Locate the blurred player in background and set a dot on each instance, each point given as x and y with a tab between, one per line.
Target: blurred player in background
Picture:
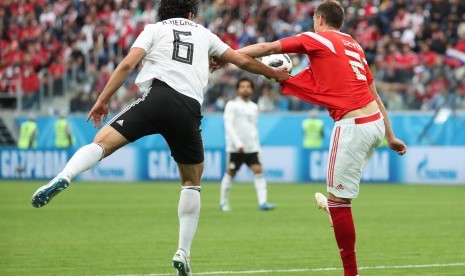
313	130
340	79
175	54
63	132
243	144
28	133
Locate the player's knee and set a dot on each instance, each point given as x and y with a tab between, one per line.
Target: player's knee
232	173
257	169
107	149
110	140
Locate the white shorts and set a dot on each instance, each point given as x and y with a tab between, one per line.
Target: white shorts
353	142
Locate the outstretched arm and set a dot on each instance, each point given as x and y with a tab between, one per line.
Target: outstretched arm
285	45
394	143
125	67
252	65
262	49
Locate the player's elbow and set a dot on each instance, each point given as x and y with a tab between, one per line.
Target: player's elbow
125	66
244	62
270	48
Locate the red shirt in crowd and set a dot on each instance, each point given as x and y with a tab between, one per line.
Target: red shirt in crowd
57	70
30	82
460	45
408	60
428	58
393	58
439	85
231	40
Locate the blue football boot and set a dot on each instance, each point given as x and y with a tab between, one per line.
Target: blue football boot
45	193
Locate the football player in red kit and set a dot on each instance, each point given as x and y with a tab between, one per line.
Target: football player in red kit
339	78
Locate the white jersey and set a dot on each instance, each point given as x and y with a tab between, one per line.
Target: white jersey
240	123
177	53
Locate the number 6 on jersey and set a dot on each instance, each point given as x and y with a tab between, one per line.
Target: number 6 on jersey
182	51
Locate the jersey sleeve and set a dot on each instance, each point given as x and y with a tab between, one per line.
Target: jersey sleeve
292	45
229	126
145	38
217	47
315	43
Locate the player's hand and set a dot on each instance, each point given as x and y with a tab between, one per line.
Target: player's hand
215	64
281	74
98	112
241	150
398	146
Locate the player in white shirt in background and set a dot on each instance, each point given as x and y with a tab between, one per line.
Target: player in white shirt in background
243	144
175	53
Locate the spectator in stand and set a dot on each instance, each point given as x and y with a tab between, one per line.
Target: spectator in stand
230	37
30	85
406	61
102	79
82	102
88	34
426	56
56	70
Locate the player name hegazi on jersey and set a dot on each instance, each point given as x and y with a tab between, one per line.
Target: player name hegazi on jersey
179	22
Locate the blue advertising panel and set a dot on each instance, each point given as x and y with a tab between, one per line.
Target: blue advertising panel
31	164
408	127
159	165
434	165
283	158
383	166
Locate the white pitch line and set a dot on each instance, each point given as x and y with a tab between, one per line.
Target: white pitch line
381	267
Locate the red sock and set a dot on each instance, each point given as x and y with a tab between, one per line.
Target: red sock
344	230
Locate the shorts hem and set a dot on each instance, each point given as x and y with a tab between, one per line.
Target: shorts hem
122	134
339	194
189	162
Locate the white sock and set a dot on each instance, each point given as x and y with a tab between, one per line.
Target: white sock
225	188
188	213
83	159
260	186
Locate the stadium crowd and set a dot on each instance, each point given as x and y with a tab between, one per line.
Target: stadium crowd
416	48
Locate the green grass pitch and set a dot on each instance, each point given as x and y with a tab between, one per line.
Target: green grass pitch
132	229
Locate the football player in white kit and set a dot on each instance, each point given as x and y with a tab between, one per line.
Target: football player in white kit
243	144
175	53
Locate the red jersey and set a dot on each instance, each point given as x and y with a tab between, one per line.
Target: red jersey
339	75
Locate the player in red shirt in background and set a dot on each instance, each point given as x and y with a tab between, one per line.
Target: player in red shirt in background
340	79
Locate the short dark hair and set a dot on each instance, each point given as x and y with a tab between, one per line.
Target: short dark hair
176	9
245	79
332	12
